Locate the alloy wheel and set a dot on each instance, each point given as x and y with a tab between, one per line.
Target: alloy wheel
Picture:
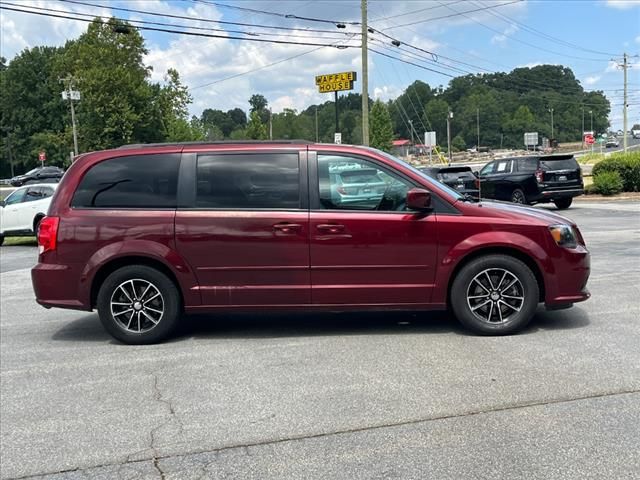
137	305
495	295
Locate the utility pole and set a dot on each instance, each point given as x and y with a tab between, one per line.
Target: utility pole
582	131
591	115
449	117
365	76
551	110
625	66
478	129
316	123
270	125
71	94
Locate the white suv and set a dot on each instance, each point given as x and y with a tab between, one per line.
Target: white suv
22	210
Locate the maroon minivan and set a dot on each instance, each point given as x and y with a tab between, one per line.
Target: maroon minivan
144	233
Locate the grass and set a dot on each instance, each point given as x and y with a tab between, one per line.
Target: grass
24	241
591	158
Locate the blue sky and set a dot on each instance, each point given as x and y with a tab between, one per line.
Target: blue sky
485	39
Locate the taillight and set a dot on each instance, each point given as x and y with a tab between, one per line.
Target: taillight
539	176
476	182
341	190
48	234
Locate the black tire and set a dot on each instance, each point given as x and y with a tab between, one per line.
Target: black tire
563	203
518	196
171	305
36	224
483	320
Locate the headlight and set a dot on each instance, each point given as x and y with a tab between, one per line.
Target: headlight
563	235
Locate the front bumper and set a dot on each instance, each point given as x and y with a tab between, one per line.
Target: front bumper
568	284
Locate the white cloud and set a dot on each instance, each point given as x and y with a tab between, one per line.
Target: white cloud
502	38
531	65
622	4
638	39
22	30
592	80
387	92
611	67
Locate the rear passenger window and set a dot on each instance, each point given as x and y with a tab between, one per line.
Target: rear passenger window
265	180
141	181
527	164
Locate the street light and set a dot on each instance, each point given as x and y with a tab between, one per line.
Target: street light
591	114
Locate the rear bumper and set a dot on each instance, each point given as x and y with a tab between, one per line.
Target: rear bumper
57	286
558	193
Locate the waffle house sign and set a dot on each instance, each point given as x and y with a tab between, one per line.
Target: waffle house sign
335	82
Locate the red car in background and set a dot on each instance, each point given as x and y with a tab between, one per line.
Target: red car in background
144	233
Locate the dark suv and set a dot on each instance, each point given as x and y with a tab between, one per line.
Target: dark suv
460	178
148	232
533	179
38	175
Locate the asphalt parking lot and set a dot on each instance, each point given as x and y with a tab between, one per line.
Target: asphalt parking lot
400	395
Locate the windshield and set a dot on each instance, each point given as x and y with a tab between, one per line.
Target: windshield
31	172
441	186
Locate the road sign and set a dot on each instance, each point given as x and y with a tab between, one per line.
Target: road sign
42	156
430	139
337	138
589	140
531	139
73	94
334	82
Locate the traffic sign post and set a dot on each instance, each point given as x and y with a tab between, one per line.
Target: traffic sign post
42	156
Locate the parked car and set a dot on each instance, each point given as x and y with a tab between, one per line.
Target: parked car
358	186
145	233
533	179
612	142
38	175
460	178
22	211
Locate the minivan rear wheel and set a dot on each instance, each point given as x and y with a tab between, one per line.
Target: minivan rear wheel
139	305
562	203
495	295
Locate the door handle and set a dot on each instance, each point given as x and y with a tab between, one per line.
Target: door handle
287	227
330	228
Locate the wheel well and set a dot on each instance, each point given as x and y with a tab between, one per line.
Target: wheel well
36	220
114	265
512	252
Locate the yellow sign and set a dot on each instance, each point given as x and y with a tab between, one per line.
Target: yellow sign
334	82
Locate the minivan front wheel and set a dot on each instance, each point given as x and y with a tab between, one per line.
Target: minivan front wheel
495	295
139	305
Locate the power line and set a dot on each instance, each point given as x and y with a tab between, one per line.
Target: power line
182	32
276	14
521	41
543	34
146	22
206	20
414	12
410	63
454	14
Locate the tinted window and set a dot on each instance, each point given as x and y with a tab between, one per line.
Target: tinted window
143	181
527	164
34	193
260	180
352	184
16	197
488	168
559	164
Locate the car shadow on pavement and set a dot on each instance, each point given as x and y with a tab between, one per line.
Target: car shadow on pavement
229	326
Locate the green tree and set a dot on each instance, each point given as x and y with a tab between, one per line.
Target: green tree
117	100
259	104
381	127
255	128
436	112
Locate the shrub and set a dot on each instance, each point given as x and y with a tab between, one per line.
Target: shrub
607	183
590	189
627	165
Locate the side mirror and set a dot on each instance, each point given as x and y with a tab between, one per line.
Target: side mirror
419	199
476	173
1	203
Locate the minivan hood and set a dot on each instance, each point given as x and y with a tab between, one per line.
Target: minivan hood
512	211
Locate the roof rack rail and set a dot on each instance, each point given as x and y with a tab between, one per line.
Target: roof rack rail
217	142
